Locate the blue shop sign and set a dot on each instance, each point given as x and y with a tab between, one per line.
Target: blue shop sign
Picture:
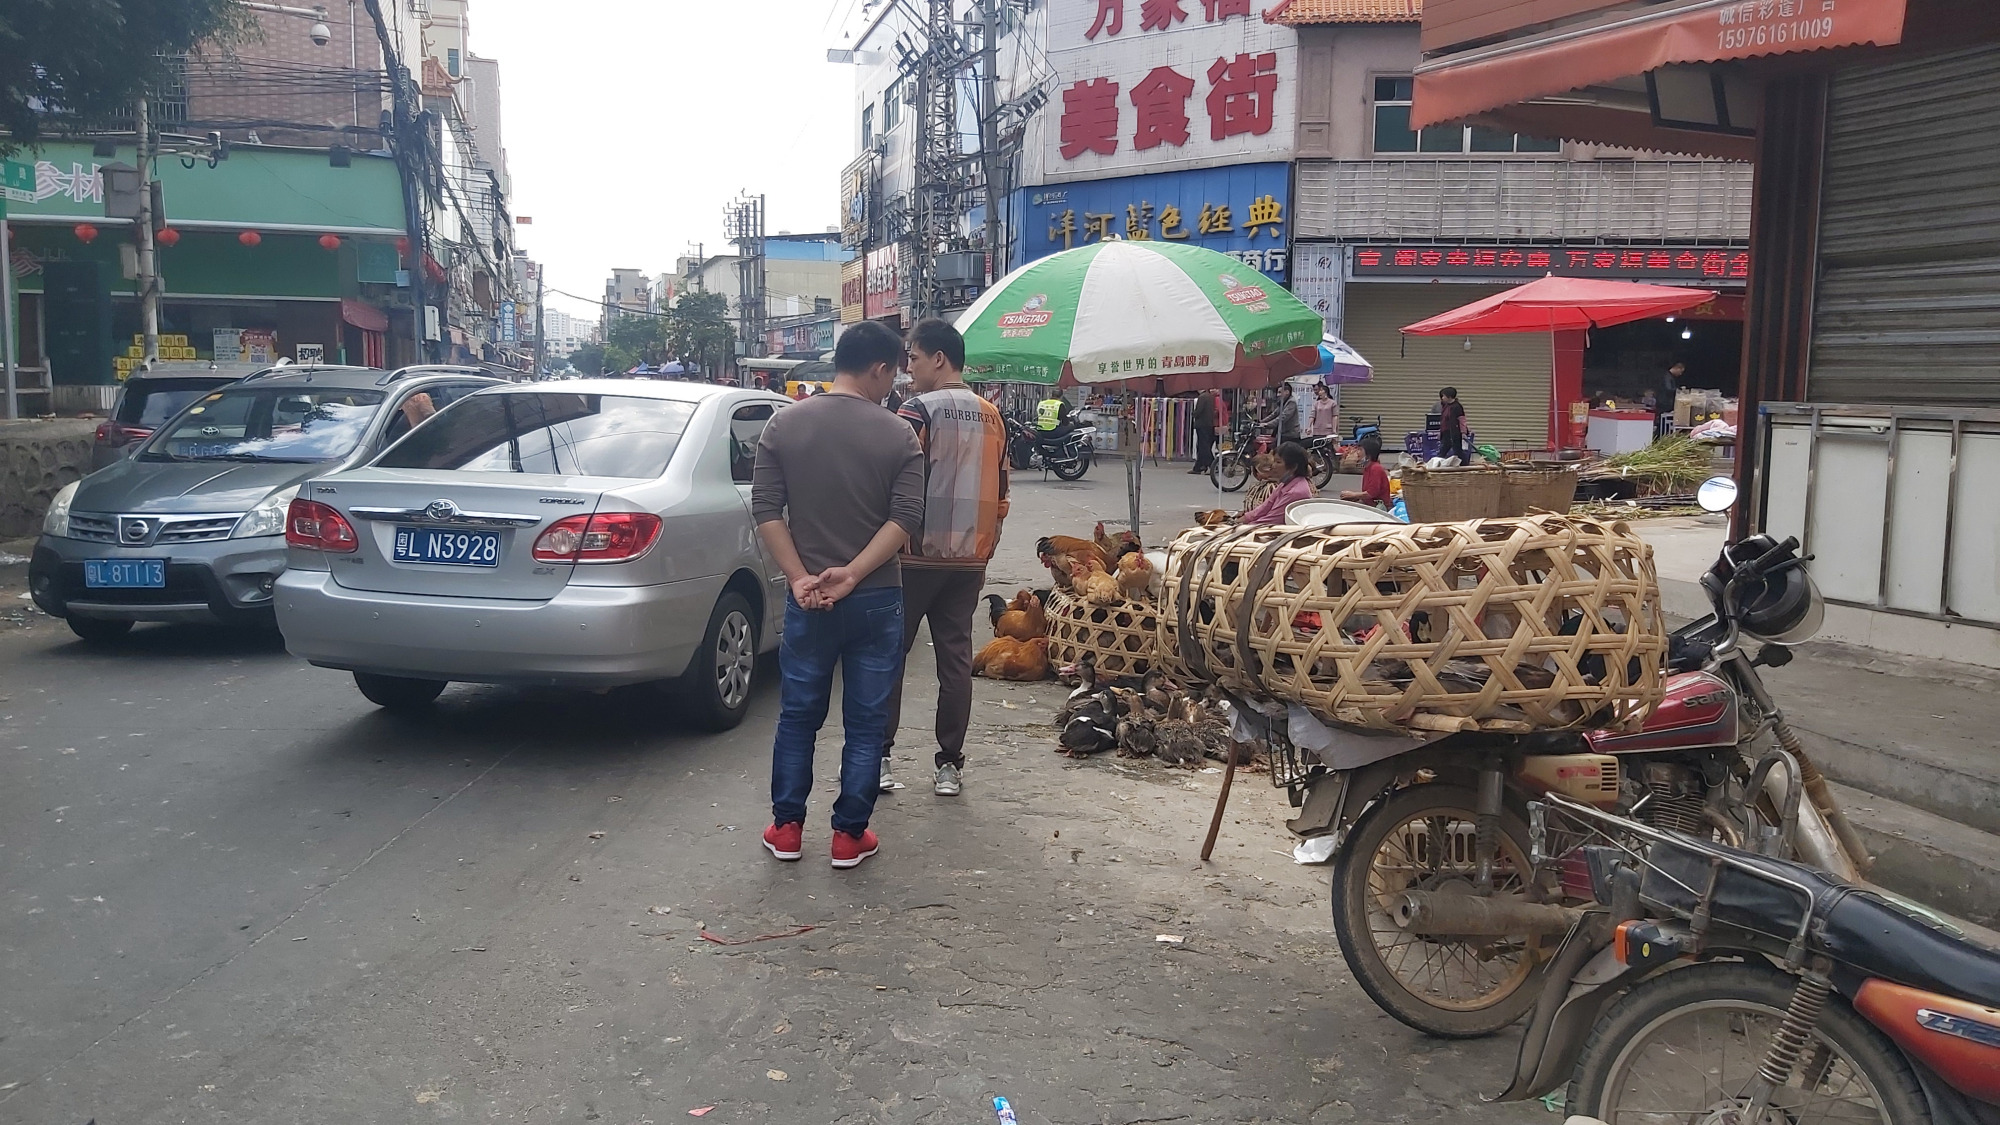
1243	211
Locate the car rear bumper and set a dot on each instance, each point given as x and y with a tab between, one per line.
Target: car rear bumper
585	636
223	580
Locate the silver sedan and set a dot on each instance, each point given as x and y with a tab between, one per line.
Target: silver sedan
590	534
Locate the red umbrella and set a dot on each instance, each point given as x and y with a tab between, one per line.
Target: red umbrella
1559	305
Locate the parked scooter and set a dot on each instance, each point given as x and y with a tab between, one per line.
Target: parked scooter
1711	985
1066	453
1444	911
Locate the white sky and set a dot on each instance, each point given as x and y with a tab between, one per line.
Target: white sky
630	123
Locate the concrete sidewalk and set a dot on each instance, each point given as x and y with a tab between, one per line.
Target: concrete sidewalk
1908	739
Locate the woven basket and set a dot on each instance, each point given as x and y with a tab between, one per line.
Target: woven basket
1125	637
1506	625
1528	489
1447	495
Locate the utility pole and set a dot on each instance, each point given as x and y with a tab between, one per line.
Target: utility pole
744	221
149	271
541	326
402	130
989	135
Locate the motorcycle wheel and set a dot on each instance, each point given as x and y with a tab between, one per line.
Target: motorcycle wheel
1321	465
1681	1046
1071	470
1231	471
1453	989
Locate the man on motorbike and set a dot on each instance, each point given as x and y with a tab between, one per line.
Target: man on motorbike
1284	417
1053	419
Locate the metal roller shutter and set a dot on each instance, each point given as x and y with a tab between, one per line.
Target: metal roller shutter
1907	310
1503	381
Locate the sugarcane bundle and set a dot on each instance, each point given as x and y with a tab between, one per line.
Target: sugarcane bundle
1509	625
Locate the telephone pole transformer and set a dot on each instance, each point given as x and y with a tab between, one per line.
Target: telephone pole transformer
743	222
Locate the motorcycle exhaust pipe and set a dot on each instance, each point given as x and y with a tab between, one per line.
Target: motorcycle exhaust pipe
1466	915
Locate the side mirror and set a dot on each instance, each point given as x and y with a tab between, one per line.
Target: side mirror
1717	494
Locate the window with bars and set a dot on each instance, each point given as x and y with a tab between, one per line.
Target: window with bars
1393	132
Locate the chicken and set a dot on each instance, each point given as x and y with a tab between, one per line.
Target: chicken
1113	547
1214	517
1006	658
1098	587
1060	552
1135	573
1021	619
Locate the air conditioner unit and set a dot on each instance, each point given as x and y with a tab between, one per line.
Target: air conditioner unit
964	267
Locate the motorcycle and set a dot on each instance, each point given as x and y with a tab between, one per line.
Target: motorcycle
1445	913
1235	463
1718	986
1066	453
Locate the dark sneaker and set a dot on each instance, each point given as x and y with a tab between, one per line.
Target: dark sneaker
946	783
849	851
785	840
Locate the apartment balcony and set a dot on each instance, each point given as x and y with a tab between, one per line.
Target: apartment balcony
1544	200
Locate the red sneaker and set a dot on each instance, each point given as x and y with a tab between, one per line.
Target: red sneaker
785	840
849	851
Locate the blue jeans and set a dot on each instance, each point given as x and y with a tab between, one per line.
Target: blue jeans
863	632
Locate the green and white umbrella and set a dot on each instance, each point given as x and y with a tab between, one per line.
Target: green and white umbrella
1139	311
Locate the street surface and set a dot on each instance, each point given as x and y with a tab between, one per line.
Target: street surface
233	891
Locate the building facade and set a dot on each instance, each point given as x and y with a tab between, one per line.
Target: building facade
1393	224
1869	390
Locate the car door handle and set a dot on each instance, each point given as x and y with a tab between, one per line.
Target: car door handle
487	520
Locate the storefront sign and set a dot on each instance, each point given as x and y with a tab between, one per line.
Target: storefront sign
823	332
853	290
883	290
856	192
1149	85
1243	212
17	183
1665	264
509	328
1319	272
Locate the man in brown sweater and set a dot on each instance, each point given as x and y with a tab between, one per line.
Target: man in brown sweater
838	490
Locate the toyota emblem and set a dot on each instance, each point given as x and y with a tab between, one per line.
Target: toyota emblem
441	510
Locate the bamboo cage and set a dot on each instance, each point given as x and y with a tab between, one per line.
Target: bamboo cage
1124	637
1507	625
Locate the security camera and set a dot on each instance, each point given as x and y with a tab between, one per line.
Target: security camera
321	34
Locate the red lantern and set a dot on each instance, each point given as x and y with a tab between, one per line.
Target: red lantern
402	247
85	233
166	236
329	242
250	238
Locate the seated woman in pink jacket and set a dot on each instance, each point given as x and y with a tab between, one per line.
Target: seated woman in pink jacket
1296	486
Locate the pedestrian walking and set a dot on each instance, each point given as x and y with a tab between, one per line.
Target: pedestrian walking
964	440
838	490
1207	420
1451	425
1325	412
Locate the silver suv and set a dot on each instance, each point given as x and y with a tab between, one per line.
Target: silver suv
191	527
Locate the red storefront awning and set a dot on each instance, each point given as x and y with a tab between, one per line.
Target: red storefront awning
1453	87
364	316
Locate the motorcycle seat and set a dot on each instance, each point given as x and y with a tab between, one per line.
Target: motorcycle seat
1853	925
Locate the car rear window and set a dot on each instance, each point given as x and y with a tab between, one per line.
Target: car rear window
151	402
554	433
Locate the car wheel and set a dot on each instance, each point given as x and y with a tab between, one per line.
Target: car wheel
398	693
98	630
717	685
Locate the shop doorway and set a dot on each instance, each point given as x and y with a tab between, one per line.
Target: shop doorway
1626	361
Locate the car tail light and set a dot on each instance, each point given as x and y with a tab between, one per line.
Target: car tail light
316	527
604	537
118	433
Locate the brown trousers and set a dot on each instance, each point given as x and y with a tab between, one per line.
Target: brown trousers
949	599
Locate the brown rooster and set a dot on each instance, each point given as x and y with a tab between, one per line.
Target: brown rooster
1005	658
1021	619
1057	552
1111	547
